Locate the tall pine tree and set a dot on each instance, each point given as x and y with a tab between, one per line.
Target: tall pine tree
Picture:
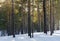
29	19
12	19
45	20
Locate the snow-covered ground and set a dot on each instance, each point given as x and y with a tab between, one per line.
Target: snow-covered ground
37	37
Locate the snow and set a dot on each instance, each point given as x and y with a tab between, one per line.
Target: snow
38	36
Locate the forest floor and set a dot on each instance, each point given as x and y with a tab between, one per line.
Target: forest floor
38	36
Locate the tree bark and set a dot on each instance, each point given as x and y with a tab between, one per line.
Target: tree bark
29	20
12	19
45	20
51	17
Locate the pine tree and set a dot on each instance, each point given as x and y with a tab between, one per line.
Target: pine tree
45	21
22	26
38	17
12	19
29	20
51	17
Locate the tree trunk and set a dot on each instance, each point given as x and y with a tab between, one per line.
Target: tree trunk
22	23
51	17
12	19
39	25
45	20
29	20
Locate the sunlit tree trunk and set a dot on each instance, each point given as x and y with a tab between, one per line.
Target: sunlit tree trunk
51	17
